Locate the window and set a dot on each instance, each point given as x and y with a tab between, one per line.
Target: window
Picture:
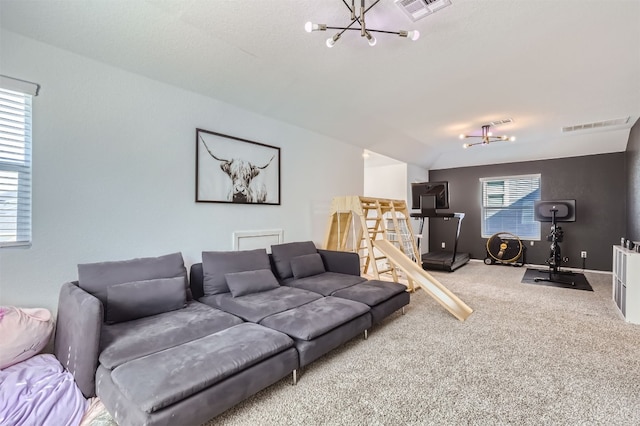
15	166
508	206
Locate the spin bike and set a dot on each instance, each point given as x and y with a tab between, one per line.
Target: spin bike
555	259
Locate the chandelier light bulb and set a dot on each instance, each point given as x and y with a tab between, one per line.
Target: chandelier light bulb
332	40
462	136
465	146
413	35
308	27
371	39
512	138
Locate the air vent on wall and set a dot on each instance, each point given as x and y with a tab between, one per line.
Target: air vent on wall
418	9
596	125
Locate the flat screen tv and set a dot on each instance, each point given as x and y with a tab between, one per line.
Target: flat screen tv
440	190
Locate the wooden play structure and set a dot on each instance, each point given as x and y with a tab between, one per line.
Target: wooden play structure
355	222
379	230
425	280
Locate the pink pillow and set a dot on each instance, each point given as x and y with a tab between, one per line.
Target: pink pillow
23	333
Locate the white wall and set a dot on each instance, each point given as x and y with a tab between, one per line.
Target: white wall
114	172
387	181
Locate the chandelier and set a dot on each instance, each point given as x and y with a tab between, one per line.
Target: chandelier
486	137
360	20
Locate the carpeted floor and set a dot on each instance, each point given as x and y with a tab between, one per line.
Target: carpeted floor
527	355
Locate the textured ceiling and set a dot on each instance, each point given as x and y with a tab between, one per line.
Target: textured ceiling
545	64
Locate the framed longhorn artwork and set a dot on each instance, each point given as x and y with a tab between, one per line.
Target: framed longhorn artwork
234	170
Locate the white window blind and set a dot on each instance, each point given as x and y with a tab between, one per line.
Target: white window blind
508	206
15	168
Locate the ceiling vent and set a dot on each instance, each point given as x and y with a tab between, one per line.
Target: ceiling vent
418	9
596	125
499	122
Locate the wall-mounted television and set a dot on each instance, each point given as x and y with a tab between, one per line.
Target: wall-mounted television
439	190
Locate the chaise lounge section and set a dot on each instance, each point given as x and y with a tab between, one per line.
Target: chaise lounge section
337	274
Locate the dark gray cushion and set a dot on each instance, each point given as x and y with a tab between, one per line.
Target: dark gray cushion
326	283
125	341
307	265
283	253
314	319
94	278
161	379
371	292
216	264
254	307
248	282
129	301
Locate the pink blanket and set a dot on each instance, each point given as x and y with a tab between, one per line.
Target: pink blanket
39	392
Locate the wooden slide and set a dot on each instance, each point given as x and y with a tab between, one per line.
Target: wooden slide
432	286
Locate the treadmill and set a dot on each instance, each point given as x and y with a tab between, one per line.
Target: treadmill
440	260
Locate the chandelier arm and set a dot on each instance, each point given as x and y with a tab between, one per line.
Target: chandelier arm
345	28
383	31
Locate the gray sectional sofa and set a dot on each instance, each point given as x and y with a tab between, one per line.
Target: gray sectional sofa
160	351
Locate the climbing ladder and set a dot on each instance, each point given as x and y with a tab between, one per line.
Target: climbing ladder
355	222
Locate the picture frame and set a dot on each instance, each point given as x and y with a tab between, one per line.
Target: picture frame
235	170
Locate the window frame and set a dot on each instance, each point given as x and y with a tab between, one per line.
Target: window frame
510	207
16	141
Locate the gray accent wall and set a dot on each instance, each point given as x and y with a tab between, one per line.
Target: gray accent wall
598	183
633	183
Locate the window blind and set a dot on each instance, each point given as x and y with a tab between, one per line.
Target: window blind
15	168
508	206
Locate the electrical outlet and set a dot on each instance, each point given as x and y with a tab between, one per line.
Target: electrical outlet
583	254
443	245
531	243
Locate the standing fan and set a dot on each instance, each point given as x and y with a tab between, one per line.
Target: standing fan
505	248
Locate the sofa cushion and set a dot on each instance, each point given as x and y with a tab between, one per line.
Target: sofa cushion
126	341
94	278
316	318
371	292
248	282
161	379
216	264
256	306
129	301
326	283
283	253
307	265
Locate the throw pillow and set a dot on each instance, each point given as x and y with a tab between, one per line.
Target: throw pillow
307	265
23	333
248	282
129	301
283	253
94	278
215	264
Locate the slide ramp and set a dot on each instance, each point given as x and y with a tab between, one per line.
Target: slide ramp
432	286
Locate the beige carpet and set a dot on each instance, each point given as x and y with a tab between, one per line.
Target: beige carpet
528	355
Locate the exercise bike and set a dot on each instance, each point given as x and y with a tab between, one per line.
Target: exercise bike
555	259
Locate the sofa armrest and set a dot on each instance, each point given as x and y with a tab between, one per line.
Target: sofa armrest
77	339
341	261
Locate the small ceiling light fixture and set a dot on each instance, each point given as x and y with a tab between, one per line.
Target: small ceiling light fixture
360	19
487	137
